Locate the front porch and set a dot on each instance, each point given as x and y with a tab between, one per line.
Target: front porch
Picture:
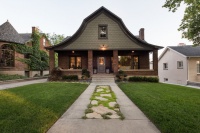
132	62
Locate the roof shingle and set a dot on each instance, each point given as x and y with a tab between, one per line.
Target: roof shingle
9	34
188	50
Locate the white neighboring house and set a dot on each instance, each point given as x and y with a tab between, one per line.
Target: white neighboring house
180	65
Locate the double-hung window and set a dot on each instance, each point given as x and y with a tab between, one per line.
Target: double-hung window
165	66
179	64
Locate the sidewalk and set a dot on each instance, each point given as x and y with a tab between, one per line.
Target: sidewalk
135	121
12	85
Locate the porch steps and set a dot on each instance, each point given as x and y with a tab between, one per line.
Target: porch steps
103	78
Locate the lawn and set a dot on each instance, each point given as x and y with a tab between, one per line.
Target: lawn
173	109
10	77
35	108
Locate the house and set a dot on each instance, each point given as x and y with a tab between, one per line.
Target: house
180	65
104	44
9	63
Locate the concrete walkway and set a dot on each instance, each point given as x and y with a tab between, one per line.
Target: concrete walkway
135	121
12	85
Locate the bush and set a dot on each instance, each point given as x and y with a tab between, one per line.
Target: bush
121	75
70	77
55	74
85	73
143	79
10	77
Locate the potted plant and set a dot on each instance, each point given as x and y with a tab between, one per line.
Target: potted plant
95	70
107	70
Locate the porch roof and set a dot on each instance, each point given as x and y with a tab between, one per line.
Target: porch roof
140	44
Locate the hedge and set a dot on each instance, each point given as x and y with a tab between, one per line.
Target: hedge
70	77
143	79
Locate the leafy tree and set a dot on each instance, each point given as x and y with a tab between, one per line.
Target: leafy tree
190	25
55	39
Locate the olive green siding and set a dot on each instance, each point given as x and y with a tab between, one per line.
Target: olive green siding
117	39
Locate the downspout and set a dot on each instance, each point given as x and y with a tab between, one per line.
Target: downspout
187	68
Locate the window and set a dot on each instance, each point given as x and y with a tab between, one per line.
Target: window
7	56
165	79
44	41
198	66
103	31
165	66
180	64
75	62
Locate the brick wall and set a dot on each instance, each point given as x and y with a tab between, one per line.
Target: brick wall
115	61
51	60
90	61
144	60
63	60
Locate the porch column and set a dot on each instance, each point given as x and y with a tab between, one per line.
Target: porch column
51	60
115	61
90	61
155	61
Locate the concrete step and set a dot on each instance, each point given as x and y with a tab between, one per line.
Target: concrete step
100	79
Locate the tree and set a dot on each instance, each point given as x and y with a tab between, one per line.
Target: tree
190	24
55	39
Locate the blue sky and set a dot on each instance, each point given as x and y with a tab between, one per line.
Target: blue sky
66	16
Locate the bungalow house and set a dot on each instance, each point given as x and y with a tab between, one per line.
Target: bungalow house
104	44
9	63
180	65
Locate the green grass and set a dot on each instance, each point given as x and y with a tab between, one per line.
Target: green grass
10	77
173	109
35	108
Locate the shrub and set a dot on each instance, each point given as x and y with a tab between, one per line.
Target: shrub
143	79
121	75
85	73
70	77
55	74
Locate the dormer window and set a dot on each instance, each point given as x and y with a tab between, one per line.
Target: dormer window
103	31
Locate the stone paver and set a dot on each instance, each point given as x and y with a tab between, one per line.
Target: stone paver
135	121
101	98
112	104
22	83
94	102
106	95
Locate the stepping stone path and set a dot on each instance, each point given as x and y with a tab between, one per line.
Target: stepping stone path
103	105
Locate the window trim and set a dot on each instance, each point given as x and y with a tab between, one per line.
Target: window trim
178	67
99	28
165	68
198	67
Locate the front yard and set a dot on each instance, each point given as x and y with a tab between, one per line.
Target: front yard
35	108
173	109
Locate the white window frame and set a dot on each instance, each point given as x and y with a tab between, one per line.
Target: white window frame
198	67
165	66
179	64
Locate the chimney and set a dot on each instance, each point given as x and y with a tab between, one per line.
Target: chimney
181	44
141	33
35	29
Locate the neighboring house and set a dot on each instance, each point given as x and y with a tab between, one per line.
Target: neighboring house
180	65
103	43
8	56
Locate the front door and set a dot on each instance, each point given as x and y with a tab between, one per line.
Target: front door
101	64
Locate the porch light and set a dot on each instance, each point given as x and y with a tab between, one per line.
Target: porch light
132	51
73	52
103	46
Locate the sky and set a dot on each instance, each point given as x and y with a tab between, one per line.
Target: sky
65	17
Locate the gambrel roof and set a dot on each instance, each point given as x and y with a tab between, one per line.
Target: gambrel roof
67	43
9	34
